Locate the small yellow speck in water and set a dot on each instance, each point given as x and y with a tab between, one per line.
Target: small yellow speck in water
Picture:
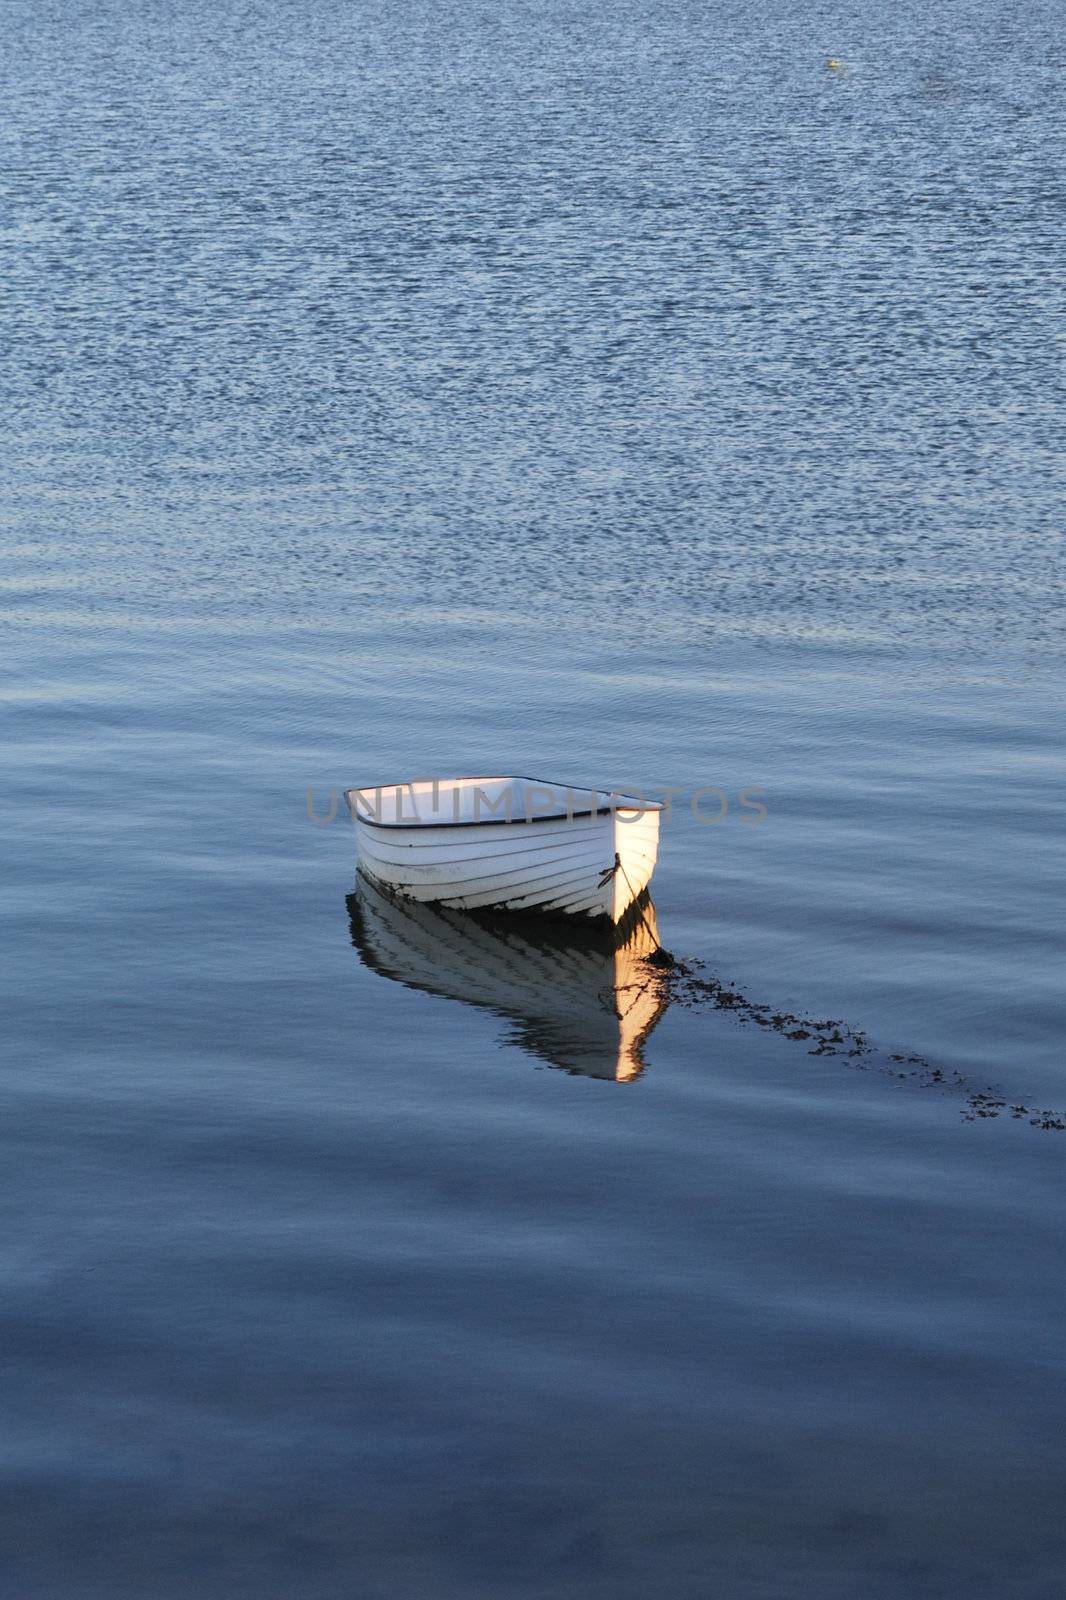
834	64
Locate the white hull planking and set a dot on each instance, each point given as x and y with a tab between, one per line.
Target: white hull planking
552	866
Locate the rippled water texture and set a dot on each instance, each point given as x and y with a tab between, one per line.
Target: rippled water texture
621	394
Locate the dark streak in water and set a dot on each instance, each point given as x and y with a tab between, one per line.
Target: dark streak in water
683	983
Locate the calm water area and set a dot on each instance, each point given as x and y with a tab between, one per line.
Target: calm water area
619	394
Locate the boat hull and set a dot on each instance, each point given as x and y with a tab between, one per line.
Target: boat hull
591	866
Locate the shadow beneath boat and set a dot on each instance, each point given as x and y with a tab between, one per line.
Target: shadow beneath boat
581	999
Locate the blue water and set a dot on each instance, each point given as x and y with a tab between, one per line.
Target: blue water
622	395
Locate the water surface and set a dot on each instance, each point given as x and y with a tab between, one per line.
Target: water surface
627	397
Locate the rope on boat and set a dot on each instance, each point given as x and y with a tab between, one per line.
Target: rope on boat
608	873
659	956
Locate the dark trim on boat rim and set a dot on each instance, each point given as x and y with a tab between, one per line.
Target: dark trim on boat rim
496	822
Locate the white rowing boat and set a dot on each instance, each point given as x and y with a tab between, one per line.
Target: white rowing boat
575	998
508	844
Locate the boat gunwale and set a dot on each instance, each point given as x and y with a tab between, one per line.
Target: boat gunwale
497	822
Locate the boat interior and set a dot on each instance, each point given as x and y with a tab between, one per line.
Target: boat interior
435	802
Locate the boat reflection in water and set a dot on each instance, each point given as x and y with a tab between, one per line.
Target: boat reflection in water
580	1000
